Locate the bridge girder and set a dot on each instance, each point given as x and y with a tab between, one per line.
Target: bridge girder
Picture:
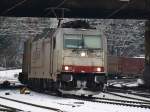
121	9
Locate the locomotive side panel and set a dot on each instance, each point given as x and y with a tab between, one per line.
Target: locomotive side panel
57	52
46	60
36	59
23	77
41	59
46	57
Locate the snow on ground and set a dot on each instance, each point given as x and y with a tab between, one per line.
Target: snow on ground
125	83
10	75
23	107
66	104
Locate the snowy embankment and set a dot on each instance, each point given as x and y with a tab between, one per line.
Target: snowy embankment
10	75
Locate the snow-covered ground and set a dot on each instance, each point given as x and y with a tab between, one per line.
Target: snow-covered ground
24	107
64	104
10	75
125	83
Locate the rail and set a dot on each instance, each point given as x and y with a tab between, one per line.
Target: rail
31	104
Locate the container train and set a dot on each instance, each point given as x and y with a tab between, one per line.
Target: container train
68	60
73	60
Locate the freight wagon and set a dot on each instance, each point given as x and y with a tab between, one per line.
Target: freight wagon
125	66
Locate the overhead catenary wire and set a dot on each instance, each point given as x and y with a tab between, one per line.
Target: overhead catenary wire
13	7
58	6
53	9
121	8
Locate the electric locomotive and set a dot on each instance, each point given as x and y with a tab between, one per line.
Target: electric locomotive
68	60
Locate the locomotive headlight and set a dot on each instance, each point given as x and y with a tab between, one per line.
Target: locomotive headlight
99	69
82	54
66	68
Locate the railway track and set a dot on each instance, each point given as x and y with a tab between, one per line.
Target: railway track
140	103
27	103
129	97
123	101
140	92
4	108
113	101
123	96
137	103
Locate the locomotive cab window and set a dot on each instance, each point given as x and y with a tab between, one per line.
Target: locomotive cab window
92	41
82	41
72	41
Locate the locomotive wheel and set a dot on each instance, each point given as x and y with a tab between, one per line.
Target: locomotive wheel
90	96
6	84
58	93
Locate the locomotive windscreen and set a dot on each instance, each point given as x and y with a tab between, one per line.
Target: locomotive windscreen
82	41
92	41
72	41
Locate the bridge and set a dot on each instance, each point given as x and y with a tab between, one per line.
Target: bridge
121	9
106	9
